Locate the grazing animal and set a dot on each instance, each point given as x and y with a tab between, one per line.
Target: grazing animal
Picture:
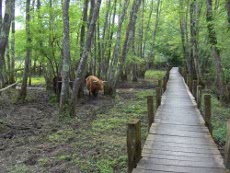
94	85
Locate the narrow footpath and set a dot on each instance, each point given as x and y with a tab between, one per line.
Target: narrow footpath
178	140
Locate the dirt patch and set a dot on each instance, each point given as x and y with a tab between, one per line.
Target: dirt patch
33	138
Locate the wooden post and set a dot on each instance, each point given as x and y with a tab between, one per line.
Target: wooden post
160	86
194	89
189	82
158	97
164	83
199	96
185	76
167	74
207	111
133	143
227	147
150	110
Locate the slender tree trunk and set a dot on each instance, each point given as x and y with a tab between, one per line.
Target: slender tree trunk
228	12
215	53
22	93
0	16
12	69
113	74
193	29
83	62
129	34
110	38
148	25
84	22
66	57
4	34
151	55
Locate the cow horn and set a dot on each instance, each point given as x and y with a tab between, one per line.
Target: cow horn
104	81
95	81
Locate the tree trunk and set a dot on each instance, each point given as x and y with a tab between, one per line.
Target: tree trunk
4	34
193	29
83	62
223	94
22	93
84	20
129	34
228	12
151	55
12	66
66	57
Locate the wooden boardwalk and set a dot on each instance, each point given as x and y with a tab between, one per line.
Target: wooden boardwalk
178	140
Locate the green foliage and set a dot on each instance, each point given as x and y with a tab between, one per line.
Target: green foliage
220	115
155	74
61	136
44	161
20	168
35	80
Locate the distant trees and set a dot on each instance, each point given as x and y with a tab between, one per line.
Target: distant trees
5	24
129	37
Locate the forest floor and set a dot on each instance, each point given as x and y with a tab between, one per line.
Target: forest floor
34	138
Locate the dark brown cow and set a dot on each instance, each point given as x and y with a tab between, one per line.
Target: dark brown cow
94	85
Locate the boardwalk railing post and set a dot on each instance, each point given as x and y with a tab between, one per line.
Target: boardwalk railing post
194	89
133	143
164	83
189	82
158	97
227	147
150	110
207	111
160	86
199	96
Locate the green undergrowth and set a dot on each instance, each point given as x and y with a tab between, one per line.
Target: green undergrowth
99	145
35	80
220	115
155	74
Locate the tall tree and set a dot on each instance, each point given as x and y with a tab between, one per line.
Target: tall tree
194	40
4	34
129	34
12	63
23	93
155	28
186	48
83	26
215	53
228	12
112	72
66	56
82	65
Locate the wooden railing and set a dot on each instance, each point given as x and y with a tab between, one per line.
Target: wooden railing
196	90
134	126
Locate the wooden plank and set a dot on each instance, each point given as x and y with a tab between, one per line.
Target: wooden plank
172	132
183	149
182	157
174	162
178	127
163	168
180	139
184	145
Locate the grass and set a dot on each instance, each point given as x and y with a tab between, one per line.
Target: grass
97	143
155	74
35	80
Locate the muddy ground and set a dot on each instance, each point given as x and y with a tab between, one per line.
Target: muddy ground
27	143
